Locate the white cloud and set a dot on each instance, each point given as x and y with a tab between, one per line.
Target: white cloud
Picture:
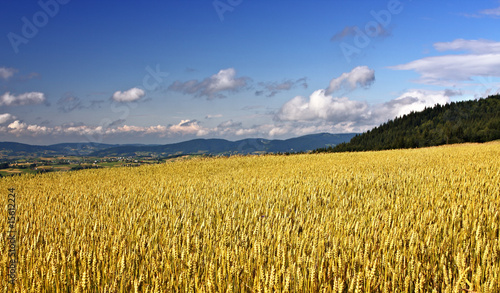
484	60
229	124
299	116
130	95
209	116
6	117
188	127
411	101
5	73
321	106
491	12
361	76
212	87
23	99
473	46
185	127
38	130
16	127
343	112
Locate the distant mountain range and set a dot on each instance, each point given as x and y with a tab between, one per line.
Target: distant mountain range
196	146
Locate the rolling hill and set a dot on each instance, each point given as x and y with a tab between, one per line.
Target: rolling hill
456	122
196	146
14	149
225	147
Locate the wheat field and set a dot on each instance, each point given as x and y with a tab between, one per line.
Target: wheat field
422	220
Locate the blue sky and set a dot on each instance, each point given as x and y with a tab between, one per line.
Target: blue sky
168	71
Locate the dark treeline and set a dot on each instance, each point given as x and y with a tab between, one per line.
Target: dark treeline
457	122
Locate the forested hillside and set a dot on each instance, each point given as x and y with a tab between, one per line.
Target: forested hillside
457	122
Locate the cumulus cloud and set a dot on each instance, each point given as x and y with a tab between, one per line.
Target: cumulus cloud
184	127
299	116
483	59
361	76
188	127
411	101
212	87
23	99
6	73
130	95
320	106
4	118
17	126
273	88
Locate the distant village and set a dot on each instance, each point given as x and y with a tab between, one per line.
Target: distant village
43	165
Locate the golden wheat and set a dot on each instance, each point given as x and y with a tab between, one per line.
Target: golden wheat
422	220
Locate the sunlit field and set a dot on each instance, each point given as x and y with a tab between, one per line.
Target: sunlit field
422	220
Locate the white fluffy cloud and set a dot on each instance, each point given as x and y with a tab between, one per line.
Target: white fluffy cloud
321	106
188	127
323	109
23	99
130	95
212	87
483	59
183	128
5	73
411	101
5	118
361	76
16	126
299	116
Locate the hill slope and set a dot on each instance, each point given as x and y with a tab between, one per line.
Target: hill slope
221	146
457	122
14	149
196	146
